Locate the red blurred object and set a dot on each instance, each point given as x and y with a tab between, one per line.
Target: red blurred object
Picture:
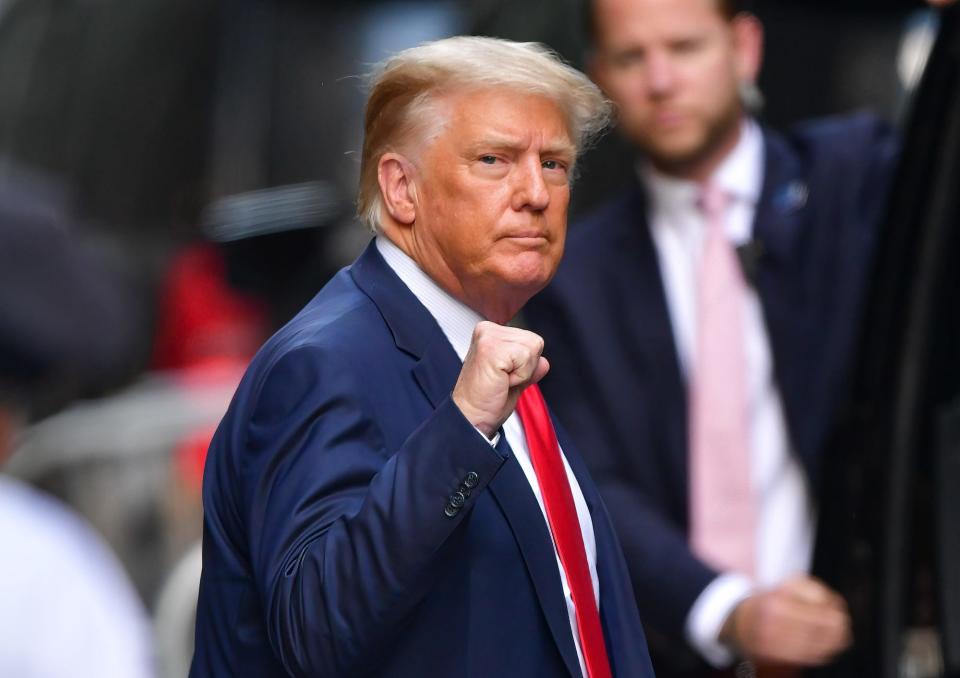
206	334
201	318
191	455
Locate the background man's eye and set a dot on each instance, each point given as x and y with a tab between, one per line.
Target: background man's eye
687	46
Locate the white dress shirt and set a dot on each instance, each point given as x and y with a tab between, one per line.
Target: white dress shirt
457	322
786	514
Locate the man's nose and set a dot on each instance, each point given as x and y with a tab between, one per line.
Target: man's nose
661	77
531	188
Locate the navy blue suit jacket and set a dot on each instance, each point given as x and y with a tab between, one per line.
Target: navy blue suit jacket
617	383
327	548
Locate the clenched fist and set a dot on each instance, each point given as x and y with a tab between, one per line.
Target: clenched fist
501	362
798	623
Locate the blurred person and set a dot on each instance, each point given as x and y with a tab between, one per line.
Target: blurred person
63	278
68	608
374	504
701	328
207	332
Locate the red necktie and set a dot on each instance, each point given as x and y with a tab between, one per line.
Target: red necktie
562	517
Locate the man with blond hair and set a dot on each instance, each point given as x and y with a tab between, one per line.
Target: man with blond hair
387	495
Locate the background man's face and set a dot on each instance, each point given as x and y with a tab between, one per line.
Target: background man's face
492	199
673	69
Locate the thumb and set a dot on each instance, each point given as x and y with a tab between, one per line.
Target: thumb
543	366
810	590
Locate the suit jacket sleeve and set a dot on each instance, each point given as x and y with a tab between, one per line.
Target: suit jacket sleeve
345	536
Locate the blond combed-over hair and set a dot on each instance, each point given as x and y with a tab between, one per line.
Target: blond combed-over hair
404	87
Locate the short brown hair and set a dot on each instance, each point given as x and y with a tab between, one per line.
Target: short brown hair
728	8
731	8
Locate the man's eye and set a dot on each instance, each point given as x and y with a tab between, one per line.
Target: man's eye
488	159
551	165
687	46
624	60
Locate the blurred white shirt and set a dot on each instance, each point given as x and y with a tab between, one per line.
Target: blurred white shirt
67	608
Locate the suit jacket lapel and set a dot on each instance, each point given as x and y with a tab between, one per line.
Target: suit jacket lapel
512	492
414	330
639	282
618	610
779	227
417	333
782	200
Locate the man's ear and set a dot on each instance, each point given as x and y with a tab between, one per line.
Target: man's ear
396	176
748	46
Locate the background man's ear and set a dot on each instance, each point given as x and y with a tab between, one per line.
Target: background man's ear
748	40
396	175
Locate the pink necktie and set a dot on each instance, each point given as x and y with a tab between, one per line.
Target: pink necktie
564	525
722	502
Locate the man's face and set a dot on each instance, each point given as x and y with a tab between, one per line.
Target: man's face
492	194
673	68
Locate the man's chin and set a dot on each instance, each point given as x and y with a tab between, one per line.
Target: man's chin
521	284
530	268
678	154
504	292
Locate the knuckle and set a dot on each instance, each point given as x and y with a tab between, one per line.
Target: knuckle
481	330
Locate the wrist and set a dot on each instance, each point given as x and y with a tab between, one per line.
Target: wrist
728	631
711	611
476	418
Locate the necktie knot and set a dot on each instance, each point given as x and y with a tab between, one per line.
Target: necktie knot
713	201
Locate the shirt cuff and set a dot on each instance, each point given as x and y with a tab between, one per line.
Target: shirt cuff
493	441
708	614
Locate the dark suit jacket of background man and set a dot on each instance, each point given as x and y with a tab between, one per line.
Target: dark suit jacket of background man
327	551
616	381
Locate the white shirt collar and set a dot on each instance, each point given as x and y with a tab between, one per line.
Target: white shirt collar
455	318
740	174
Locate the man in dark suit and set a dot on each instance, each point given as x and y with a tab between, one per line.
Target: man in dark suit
701	327
373	503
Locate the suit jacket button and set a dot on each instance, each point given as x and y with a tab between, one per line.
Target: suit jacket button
457	499
450	511
471	480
